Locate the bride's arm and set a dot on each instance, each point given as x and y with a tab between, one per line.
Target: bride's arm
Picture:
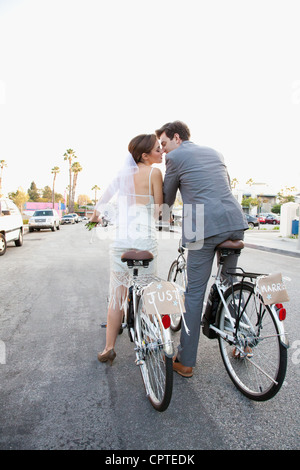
157	186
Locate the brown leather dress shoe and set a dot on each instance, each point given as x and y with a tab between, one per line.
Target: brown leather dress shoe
182	370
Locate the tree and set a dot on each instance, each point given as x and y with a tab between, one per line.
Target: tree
58	197
285	195
2	165
33	192
83	200
70	155
54	171
250	202
76	168
95	188
47	194
19	198
276	209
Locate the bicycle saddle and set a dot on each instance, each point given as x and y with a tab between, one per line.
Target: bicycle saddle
231	245
136	255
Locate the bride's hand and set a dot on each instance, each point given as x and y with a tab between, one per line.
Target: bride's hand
90	225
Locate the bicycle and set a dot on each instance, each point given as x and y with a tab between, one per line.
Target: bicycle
251	336
177	273
150	335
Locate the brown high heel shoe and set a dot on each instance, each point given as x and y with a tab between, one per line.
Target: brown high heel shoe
108	356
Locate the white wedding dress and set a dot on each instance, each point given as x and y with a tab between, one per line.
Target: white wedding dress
139	227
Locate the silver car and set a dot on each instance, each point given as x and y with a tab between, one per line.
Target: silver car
46	218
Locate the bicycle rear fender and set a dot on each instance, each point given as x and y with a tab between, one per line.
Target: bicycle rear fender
168	345
282	335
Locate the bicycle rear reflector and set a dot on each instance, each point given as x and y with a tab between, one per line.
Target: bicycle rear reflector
166	321
281	311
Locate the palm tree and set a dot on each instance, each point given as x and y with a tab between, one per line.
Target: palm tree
76	168
70	155
2	165
95	188
54	171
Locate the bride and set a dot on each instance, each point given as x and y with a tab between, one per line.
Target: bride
138	186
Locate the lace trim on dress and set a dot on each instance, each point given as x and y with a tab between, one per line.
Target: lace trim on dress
119	286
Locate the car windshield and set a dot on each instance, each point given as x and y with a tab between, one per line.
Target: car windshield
42	213
66	216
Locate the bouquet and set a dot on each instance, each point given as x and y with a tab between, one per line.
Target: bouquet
91	225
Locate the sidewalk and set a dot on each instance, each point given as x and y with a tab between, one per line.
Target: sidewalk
270	240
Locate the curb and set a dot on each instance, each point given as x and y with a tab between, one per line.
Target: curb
273	250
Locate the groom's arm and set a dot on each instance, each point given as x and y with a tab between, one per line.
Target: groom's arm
170	187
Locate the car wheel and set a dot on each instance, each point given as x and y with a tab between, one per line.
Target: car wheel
19	242
53	228
31	229
250	225
274	222
2	244
58	227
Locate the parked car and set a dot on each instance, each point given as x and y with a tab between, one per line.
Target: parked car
272	219
11	225
261	218
252	221
46	218
269	218
67	219
75	216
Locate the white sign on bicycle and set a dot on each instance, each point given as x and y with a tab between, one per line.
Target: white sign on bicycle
272	289
163	297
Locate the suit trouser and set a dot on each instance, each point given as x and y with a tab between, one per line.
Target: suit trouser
199	266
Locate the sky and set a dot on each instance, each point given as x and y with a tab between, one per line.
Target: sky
92	74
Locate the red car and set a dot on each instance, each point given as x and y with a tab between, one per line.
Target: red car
262	219
269	219
272	219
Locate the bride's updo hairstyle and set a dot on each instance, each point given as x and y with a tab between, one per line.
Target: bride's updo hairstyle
140	144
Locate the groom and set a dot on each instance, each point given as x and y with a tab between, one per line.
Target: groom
211	215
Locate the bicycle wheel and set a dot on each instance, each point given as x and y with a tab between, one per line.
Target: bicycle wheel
154	356
177	274
256	361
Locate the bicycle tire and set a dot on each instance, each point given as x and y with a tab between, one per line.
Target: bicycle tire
176	275
156	367
258	345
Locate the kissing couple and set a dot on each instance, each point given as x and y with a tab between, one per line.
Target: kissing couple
211	215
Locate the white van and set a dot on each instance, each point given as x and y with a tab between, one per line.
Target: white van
11	225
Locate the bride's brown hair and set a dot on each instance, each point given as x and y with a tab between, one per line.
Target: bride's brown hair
140	144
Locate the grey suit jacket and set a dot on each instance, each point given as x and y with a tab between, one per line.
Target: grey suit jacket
209	208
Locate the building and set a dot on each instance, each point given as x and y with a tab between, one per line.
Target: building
266	195
30	207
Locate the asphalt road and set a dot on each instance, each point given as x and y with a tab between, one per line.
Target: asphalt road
56	395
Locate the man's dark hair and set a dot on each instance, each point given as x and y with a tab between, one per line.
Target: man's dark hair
176	127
